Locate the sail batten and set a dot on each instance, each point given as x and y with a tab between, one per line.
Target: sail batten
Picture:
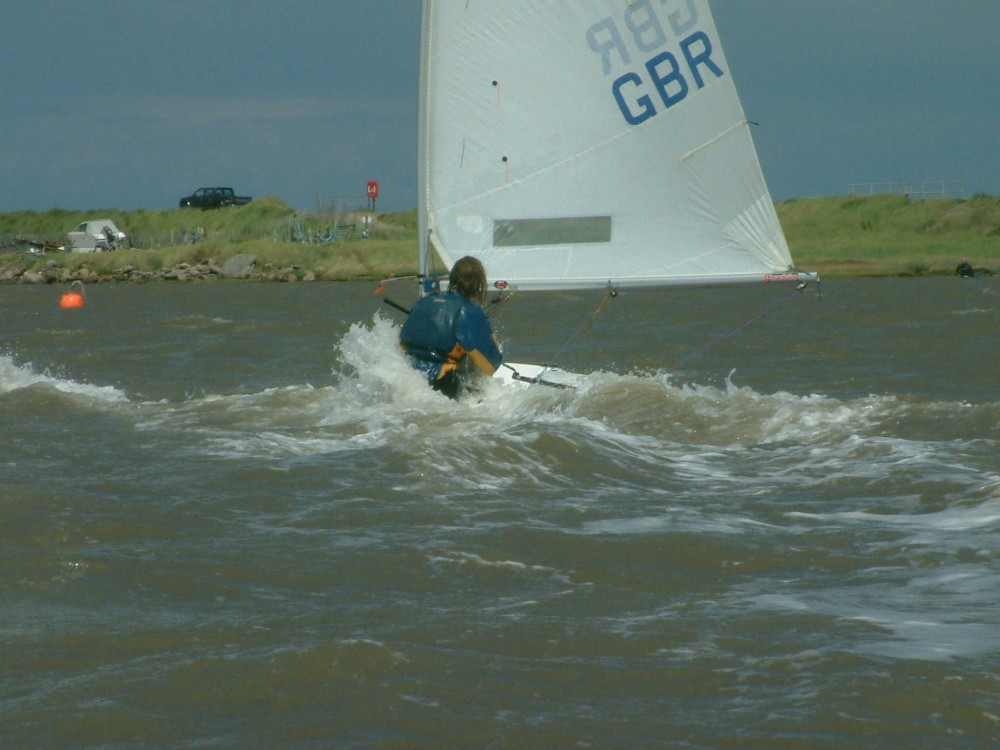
601	142
719	137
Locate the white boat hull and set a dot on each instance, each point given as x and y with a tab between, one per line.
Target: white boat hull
520	374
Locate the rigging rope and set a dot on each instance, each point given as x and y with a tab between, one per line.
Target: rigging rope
736	329
588	323
610	292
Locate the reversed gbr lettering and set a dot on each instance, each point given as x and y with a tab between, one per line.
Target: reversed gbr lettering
643	89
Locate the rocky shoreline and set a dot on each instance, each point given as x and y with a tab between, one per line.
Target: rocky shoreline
242	266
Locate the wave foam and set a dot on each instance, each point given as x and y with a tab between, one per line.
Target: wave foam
15	377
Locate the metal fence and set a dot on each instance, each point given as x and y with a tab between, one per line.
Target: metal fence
916	189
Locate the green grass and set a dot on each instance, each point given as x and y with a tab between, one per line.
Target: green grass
262	228
837	236
891	235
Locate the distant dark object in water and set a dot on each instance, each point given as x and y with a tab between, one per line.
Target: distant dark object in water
965	270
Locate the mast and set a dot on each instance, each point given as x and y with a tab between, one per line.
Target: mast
423	229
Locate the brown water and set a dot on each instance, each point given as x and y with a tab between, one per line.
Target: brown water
231	517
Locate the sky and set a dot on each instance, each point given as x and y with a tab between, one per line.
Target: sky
132	104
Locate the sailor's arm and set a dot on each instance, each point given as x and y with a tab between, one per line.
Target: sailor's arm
476	335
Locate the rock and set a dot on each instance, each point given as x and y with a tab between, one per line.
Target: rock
32	277
239	266
203	270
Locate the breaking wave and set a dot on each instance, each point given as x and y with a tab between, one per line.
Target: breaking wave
23	377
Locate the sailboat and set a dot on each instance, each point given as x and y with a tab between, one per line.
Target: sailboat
588	144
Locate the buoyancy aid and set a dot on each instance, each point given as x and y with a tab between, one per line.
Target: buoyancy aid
443	329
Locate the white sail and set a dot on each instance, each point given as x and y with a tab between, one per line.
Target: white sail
577	143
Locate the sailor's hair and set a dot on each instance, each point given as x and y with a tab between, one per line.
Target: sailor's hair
468	278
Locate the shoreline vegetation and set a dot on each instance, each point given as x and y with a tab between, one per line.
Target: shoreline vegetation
840	236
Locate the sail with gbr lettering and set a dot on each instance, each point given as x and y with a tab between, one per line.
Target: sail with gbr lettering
581	143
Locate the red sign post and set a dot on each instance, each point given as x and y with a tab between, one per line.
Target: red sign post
372	192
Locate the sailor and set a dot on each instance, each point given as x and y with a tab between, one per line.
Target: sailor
965	268
448	335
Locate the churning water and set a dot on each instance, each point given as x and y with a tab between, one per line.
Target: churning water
232	517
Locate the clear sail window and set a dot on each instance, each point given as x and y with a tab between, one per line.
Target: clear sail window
561	231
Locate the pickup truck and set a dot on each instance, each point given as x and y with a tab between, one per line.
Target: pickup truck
213	197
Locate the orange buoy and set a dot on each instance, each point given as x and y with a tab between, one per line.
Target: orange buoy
73	298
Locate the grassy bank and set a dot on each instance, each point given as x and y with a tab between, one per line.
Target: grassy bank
837	236
891	235
351	245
